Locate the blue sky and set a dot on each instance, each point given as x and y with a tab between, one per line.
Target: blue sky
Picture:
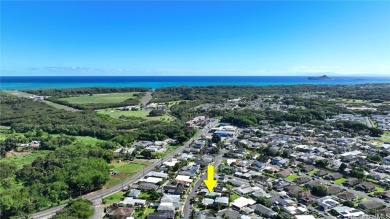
195	38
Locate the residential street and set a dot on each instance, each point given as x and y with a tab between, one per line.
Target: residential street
187	206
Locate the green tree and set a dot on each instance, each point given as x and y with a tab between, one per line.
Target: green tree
319	190
216	138
78	208
342	167
322	163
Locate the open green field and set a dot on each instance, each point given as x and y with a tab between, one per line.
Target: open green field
139	113
100	98
20	161
126	170
292	177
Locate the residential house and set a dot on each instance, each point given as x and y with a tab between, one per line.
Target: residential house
147	186
370	205
321	173
173	190
347	212
302	179
293	190
350	182
284	174
333	190
161	215
279	161
117	212
326	202
184	180
308	168
134	193
306	197
242	202
334	176
366	186
224	201
346	196
129	201
263	210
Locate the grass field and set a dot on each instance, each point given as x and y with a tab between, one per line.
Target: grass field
139	113
340	181
100	98
26	159
292	177
126	169
114	198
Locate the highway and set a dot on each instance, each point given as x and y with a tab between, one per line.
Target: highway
99	195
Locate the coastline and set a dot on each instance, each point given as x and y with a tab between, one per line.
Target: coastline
40	82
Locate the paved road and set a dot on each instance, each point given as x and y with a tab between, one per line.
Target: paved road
146	98
27	95
104	193
368	122
99	209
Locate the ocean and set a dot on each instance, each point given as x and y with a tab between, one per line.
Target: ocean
38	82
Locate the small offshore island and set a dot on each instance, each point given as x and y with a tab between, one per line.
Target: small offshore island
322	78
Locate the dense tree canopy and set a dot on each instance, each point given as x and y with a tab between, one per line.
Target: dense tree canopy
76	209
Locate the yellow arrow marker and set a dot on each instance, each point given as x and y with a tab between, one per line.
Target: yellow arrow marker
210	181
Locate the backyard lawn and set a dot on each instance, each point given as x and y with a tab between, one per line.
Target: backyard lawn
100	98
292	177
143	213
143	195
340	181
312	172
378	190
233	197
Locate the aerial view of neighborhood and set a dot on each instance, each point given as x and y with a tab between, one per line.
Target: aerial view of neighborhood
194	109
232	152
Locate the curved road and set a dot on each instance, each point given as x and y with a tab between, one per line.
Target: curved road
104	193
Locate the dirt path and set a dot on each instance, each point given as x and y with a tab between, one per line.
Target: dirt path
27	95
